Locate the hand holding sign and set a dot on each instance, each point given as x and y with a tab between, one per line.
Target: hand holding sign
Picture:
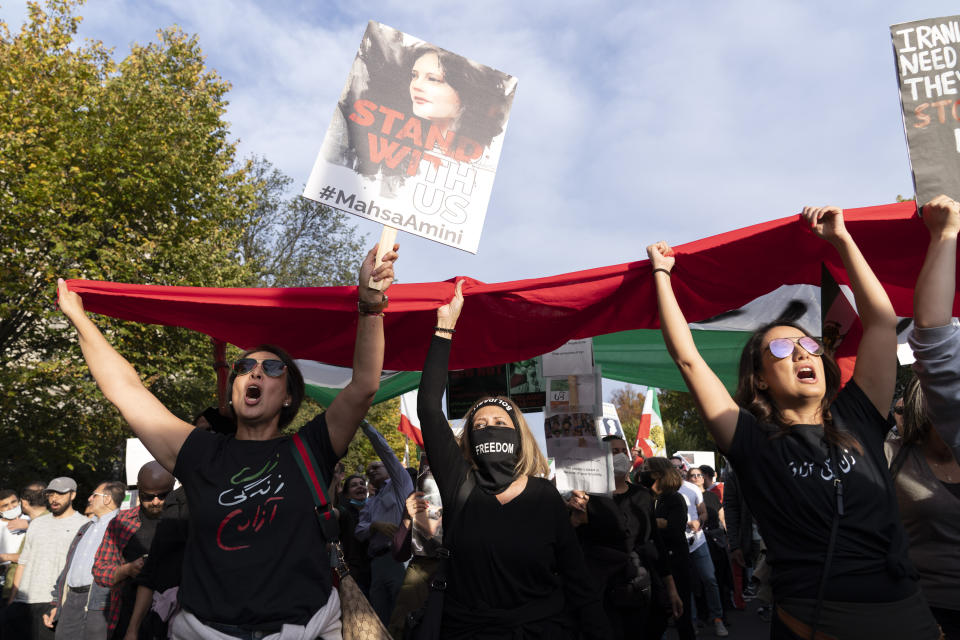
942	216
376	274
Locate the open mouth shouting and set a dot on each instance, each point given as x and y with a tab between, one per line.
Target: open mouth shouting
252	394
806	375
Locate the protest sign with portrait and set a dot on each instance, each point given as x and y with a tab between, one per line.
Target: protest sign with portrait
415	139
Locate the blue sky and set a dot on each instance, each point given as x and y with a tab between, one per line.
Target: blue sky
633	122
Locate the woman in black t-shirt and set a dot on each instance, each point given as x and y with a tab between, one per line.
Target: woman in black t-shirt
254	559
805	452
516	569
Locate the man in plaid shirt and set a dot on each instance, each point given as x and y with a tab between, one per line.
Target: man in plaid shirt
126	542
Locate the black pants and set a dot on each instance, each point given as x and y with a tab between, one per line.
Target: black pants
22	621
949	621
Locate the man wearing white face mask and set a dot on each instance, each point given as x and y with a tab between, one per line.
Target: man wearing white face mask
13	525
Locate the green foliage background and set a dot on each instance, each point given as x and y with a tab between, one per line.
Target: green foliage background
124	170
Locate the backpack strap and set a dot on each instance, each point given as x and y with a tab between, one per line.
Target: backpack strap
321	498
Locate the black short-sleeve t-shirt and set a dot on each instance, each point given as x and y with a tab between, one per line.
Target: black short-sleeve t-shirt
255	555
788	481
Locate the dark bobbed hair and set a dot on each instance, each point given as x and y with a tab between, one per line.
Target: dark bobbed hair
295	386
117	491
482	92
916	420
530	461
664	471
761	405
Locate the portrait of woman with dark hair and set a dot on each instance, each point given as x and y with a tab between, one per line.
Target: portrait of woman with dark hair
407	102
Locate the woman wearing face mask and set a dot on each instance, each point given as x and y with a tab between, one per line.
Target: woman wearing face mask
810	459
515	568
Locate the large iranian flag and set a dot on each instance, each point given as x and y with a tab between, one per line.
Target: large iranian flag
409	421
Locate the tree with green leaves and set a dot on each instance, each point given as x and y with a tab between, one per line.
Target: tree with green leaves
683	428
125	171
629	404
291	241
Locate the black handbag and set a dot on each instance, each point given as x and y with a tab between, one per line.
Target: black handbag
425	622
636	591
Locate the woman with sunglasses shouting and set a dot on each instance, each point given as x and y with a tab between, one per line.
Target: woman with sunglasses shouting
255	561
810	458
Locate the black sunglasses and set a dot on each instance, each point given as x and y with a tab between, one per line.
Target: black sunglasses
273	368
150	497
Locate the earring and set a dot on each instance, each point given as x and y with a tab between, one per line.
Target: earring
230	402
286	404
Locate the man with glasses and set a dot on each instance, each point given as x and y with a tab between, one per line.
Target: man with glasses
127	541
41	561
78	604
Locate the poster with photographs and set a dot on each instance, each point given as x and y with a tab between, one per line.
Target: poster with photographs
427	534
522	382
572	428
927	54
415	139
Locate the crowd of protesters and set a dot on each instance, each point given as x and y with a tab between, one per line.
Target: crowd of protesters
842	515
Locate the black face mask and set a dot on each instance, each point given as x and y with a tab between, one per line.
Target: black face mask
495	450
647	479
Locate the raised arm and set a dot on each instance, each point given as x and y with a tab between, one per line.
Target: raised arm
161	432
935	340
717	408
400	480
447	463
937	284
351	405
876	371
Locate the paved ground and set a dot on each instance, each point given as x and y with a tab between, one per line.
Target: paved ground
744	625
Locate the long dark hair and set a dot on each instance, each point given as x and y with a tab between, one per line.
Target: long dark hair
760	404
295	386
482	92
916	420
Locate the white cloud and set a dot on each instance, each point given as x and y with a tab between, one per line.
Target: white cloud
632	122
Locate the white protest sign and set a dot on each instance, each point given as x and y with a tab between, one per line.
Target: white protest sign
573	358
137	456
609	424
571	428
415	140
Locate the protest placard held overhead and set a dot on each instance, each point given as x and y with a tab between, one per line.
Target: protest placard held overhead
415	139
927	55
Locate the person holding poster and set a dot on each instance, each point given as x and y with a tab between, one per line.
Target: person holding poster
810	459
925	467
254	562
516	569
